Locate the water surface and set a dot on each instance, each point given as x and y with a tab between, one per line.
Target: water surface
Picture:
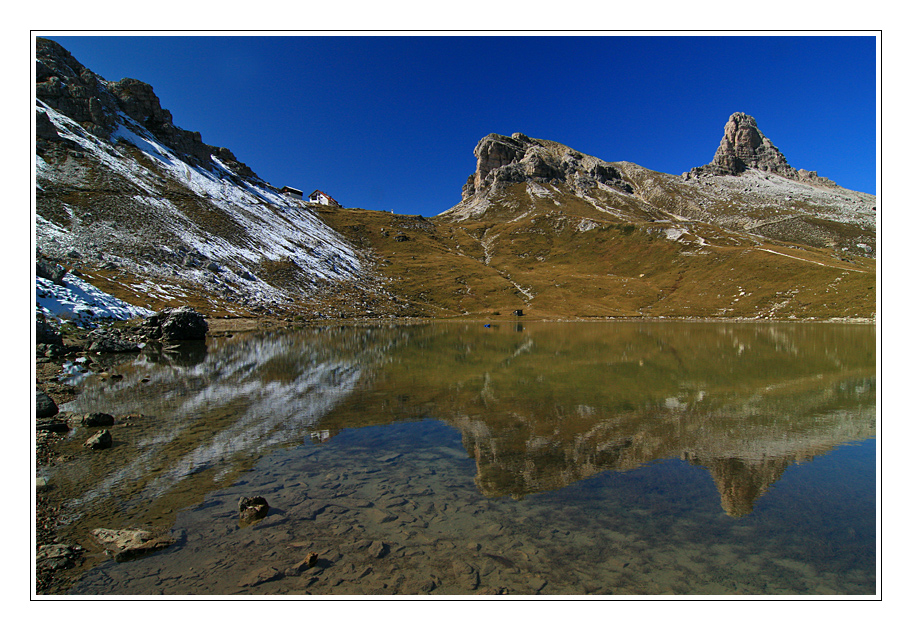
610	458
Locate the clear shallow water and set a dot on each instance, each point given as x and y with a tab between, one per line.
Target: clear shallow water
566	459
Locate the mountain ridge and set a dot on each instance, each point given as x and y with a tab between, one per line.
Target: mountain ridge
152	215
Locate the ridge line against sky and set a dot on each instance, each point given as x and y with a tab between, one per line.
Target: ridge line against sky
390	122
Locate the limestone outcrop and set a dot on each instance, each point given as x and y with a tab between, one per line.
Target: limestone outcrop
744	146
518	158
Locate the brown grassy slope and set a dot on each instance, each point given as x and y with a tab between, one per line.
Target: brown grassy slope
573	260
432	266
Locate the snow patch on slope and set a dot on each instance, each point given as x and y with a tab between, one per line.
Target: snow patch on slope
81	302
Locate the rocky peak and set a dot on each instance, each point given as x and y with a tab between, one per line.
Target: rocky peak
72	89
518	158
744	147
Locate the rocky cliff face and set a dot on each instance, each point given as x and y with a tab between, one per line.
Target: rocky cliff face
749	186
518	158
744	147
70	88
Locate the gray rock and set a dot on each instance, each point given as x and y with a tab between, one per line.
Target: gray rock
518	158
49	270
44	128
44	405
46	333
182	323
122	538
49	350
743	146
102	343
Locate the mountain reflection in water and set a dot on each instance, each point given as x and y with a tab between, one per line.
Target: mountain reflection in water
540	406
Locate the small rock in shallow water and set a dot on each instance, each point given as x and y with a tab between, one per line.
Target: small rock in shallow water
126	544
53	425
252	508
101	440
378	549
302	566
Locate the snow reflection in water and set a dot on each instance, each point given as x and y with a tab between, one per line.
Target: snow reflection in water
550	413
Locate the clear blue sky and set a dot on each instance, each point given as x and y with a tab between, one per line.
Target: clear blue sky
390	122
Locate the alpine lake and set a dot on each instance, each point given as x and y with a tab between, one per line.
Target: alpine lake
458	458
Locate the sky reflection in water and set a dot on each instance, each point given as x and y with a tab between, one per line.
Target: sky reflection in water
585	418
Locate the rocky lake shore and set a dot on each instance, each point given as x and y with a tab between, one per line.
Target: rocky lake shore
67	349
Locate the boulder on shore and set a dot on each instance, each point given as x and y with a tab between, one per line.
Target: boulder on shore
46	333
57	556
181	323
44	405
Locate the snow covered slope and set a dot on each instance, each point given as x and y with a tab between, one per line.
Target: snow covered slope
132	204
150	213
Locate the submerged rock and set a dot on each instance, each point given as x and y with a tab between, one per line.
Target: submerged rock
307	563
57	556
126	544
378	549
261	575
53	425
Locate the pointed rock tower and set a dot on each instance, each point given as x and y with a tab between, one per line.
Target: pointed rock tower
744	147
